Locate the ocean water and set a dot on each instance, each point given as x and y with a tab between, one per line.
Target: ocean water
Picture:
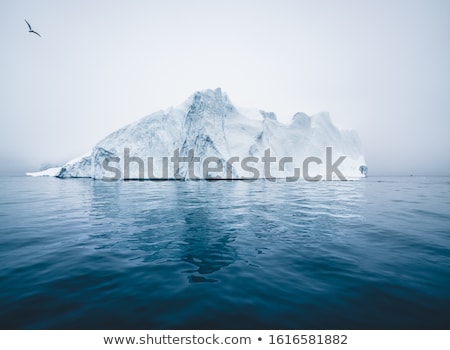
83	254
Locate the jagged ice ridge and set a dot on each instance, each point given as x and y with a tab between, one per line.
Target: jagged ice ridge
209	125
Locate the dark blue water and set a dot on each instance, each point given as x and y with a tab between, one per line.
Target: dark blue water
83	254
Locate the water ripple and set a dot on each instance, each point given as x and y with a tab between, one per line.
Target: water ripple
360	254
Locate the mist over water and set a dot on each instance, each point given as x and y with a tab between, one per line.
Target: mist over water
83	254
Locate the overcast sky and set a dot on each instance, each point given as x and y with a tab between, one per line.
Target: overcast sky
379	67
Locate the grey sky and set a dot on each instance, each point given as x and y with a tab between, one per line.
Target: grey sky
379	67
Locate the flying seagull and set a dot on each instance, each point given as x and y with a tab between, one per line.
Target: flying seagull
31	30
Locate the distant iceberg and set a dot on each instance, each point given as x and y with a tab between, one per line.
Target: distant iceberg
209	128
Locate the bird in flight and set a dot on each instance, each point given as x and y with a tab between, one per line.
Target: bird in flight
31	29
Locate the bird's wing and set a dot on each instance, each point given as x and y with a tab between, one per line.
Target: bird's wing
35	33
28	25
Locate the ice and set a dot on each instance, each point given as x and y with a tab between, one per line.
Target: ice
209	125
48	172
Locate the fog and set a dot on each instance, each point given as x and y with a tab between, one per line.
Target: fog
379	67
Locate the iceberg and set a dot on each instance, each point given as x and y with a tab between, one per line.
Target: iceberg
207	137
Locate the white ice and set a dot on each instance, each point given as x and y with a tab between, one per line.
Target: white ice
212	126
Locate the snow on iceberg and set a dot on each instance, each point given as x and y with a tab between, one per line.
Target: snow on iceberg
207	137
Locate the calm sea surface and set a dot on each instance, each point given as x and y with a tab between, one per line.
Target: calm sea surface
83	254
